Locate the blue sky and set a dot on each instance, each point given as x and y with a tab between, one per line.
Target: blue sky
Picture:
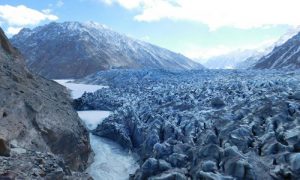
196	28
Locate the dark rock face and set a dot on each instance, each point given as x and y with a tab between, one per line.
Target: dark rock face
4	148
285	56
203	124
217	102
36	114
295	96
74	50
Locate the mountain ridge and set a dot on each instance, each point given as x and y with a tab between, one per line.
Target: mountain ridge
79	49
246	58
36	121
285	56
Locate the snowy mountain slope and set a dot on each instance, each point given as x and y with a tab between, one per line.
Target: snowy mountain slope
285	56
252	59
74	50
230	60
247	58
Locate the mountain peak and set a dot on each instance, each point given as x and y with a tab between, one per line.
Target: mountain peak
75	25
74	50
93	24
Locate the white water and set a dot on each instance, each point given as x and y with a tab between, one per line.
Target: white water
111	162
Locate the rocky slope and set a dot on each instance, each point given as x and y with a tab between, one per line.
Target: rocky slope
203	124
285	56
36	121
74	50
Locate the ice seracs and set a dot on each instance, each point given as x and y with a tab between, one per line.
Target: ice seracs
202	124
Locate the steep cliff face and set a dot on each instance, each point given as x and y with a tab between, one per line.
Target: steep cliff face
36	114
74	50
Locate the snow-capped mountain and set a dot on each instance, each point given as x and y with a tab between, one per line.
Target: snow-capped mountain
247	58
241	58
74	50
285	56
230	60
250	61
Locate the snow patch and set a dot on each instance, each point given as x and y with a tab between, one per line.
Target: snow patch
77	90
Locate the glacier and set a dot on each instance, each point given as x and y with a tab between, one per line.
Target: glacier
202	124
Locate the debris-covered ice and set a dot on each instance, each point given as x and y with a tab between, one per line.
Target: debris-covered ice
202	124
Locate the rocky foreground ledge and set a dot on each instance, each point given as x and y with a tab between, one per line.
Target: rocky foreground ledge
27	164
41	136
203	124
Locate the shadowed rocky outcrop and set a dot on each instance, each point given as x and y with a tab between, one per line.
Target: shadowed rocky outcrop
36	114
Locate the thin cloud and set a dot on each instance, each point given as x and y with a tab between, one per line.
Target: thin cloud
203	54
145	38
128	4
59	3
244	14
13	30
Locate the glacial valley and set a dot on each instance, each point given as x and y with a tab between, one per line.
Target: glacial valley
202	124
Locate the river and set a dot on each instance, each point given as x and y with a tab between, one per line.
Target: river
111	162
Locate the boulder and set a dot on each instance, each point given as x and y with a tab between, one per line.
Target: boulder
169	176
161	150
211	138
217	102
163	165
295	96
114	131
239	168
295	163
4	148
209	152
211	176
209	166
178	160
241	138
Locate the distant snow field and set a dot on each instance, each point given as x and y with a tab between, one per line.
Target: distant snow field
77	90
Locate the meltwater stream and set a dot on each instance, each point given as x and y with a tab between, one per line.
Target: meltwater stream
111	162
